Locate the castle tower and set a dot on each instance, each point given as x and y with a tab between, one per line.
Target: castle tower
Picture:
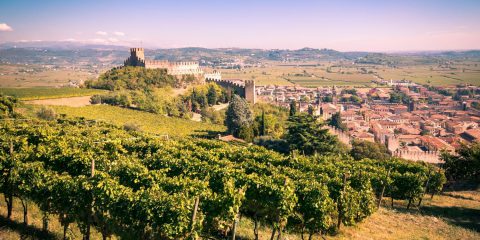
250	93
392	143
137	53
137	58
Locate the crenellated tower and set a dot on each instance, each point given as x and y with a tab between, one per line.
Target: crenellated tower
250	93
136	59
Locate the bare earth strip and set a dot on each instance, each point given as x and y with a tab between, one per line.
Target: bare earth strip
70	102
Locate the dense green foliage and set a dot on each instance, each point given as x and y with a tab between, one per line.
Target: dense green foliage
293	108
7	106
336	121
465	165
146	187
307	135
158	100
148	122
399	97
270	120
132	78
135	185
365	149
239	118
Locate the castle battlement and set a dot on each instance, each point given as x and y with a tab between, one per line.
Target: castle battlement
244	88
419	156
137	59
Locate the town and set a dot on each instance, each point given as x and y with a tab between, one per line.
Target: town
414	122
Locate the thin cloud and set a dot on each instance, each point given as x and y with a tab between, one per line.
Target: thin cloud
5	28
113	40
101	33
120	34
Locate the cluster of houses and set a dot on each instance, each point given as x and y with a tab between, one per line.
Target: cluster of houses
417	127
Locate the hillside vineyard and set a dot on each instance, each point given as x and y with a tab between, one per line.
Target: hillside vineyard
139	186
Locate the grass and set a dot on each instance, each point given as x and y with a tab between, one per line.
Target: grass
48	93
453	215
14	229
148	122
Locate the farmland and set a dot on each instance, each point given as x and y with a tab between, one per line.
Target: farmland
361	75
48	93
39	76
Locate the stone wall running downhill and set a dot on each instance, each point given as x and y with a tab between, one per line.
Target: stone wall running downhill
243	88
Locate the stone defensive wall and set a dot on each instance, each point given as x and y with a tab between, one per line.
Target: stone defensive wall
243	88
419	156
341	135
137	58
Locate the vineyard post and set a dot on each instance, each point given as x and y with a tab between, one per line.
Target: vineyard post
383	188
340	210
90	210
9	195
194	214
426	188
234	228
92	171
433	192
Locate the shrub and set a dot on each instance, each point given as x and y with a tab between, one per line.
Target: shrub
96	99
131	127
46	113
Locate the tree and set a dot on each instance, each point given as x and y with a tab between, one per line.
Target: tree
262	125
465	165
293	108
366	149
212	96
305	134
246	133
336	121
311	110
238	115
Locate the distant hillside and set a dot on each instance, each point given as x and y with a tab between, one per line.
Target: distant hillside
69	53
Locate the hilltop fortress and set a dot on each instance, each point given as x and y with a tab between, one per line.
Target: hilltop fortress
244	88
137	59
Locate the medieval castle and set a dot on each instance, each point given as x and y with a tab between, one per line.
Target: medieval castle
244	88
137	59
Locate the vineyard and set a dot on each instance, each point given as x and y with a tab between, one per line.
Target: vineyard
138	186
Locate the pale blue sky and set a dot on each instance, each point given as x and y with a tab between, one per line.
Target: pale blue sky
342	25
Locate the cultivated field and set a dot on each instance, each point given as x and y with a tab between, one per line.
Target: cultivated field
38	76
361	75
48	93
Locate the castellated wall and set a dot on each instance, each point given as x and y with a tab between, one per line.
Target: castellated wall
245	89
341	135
393	146
419	156
137	59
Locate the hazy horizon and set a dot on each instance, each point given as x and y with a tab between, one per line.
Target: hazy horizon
375	26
